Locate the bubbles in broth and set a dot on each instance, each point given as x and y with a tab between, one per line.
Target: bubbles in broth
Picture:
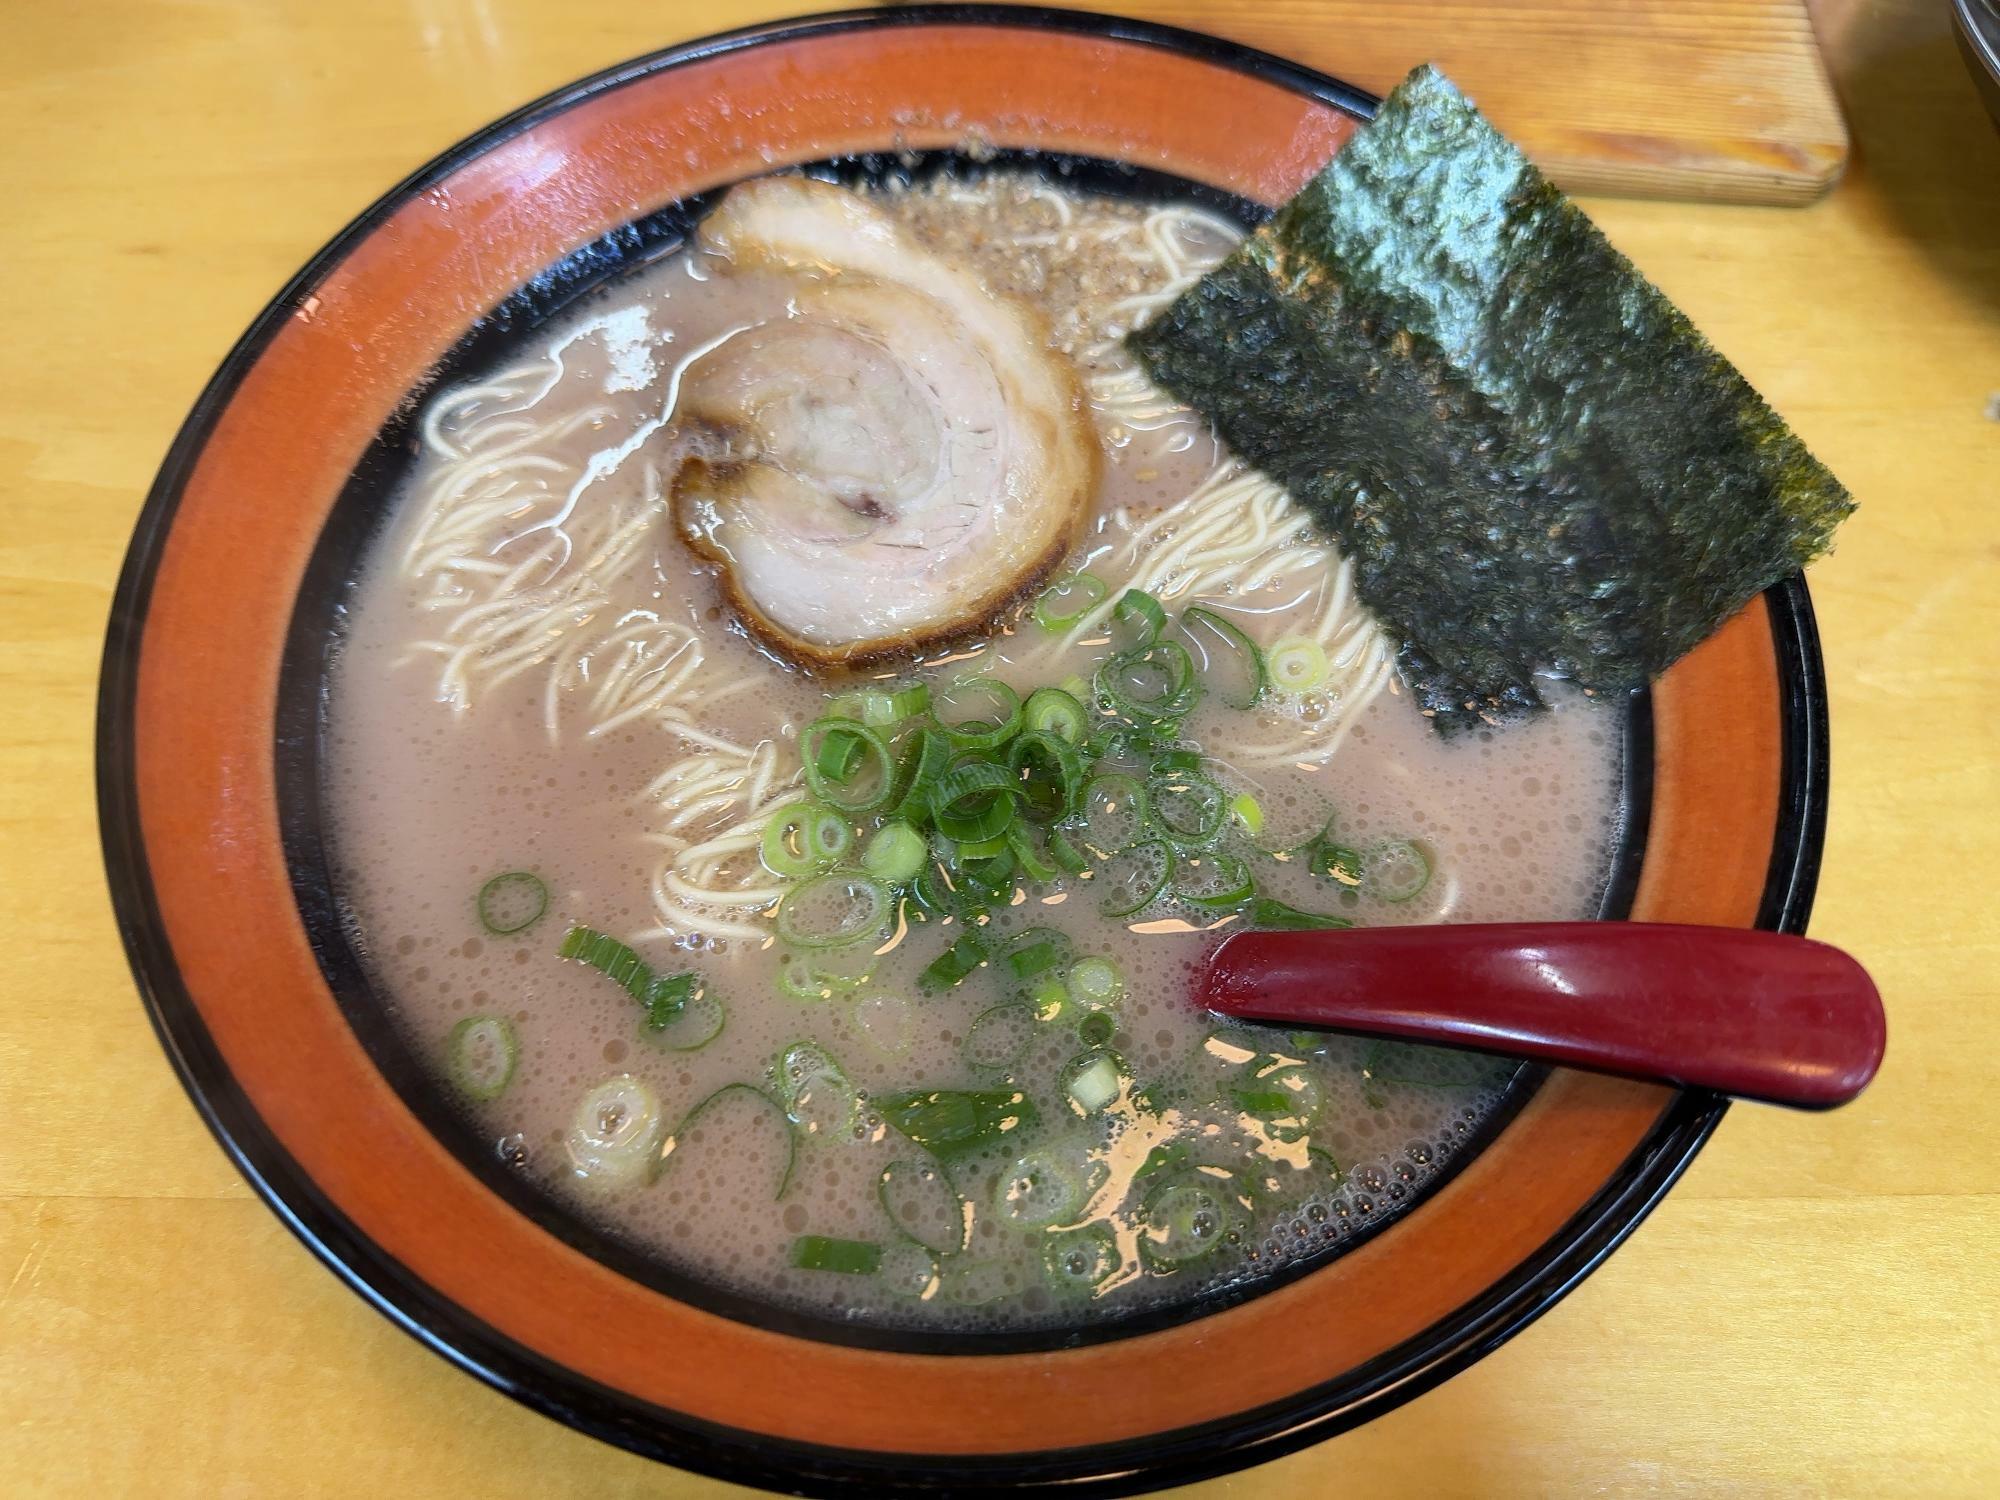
993	1106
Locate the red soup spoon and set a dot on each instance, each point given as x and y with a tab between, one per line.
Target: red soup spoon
1762	1015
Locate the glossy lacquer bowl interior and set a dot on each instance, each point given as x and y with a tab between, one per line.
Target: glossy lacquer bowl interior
208	744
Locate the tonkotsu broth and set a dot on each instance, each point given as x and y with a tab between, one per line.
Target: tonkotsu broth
455	755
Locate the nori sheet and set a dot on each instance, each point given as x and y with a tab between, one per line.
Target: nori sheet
1535	461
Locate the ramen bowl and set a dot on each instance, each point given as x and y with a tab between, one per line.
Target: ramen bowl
212	737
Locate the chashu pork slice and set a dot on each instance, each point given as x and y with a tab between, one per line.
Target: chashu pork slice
891	459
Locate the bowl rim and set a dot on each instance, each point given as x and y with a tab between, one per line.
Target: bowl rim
1250	1437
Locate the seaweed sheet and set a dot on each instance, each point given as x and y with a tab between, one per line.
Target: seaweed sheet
1535	461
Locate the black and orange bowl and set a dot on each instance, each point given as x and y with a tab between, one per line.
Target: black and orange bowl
208	750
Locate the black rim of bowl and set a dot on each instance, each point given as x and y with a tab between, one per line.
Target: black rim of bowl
1245	1438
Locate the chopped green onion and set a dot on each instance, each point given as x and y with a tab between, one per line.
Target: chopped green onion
951	967
1214	880
1078	1260
973	801
1151	686
978	849
803	837
847	765
814	1091
797	979
1269	915
1034	866
1066	854
1113	812
1296	664
1286	1099
1175	759
1187	1217
482	1053
1398	869
1048	771
1138	620
1093	1081
691	1026
1049	997
909	1270
895	853
1038	1190
1055	711
611	958
884	708
1231	662
728	1135
998	1037
1036	950
831	909
615	1135
1247	813
1068	600
923	762
839	751
978	713
1336	862
1097	1028
953	1122
1188	807
1096	982
818	1252
512	902
1135	877
921	1202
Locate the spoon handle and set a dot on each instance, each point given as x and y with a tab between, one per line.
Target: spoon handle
1759	1014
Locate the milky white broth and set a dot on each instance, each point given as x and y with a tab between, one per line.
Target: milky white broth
430	797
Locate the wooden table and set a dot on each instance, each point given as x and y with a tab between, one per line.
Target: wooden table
1813	1311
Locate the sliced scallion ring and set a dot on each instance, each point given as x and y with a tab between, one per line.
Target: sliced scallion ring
1296	664
1038	950
831	909
1188	1217
1048	772
1039	1189
688	1026
847	764
921	1202
1137	620
814	1092
1214	880
1151	686
1187	807
1097	983
512	902
924	760
1068	600
1000	1036
908	1270
615	1136
1398	869
895	852
481	1055
803	837
1134	878
1113	812
1231	662
1080	1260
1057	712
1034	866
974	801
718	1128
977	713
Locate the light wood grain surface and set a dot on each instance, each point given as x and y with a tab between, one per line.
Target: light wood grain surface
1812	1312
1724	100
